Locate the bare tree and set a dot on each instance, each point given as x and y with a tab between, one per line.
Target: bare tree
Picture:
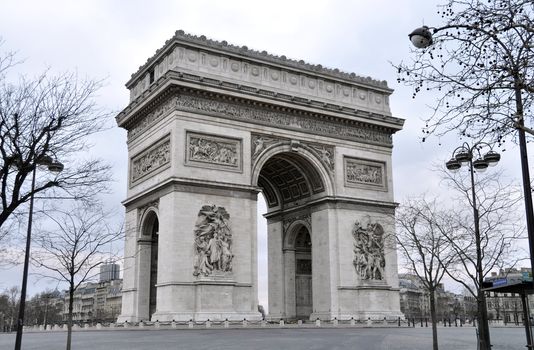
481	64
47	117
496	214
421	232
73	249
9	304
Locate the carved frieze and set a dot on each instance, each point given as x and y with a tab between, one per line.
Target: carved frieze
281	119
369	260
155	157
213	151
365	173
213	242
148	120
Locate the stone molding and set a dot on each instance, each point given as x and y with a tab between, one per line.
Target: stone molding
213	151
155	157
124	119
261	142
190	185
219	56
142	210
147	121
365	173
302	217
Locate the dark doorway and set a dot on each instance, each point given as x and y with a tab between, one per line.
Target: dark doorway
303	274
153	266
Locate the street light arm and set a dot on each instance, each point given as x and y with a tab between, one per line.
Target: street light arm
524	128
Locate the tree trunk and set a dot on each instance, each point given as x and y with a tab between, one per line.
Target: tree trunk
434	318
69	318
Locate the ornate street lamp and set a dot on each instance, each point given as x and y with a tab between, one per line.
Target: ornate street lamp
421	37
53	166
465	154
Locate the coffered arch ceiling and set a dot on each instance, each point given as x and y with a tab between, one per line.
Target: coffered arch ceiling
287	178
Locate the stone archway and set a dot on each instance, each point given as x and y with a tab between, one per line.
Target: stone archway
147	247
292	178
210	125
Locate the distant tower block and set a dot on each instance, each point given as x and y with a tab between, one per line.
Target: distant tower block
109	272
210	125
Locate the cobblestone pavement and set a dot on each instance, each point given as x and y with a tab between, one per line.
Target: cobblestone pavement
269	338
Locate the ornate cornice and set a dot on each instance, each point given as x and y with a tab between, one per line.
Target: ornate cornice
257	112
172	78
181	37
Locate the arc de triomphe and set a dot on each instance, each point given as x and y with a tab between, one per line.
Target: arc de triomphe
210	125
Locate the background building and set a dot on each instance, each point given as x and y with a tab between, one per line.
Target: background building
109	272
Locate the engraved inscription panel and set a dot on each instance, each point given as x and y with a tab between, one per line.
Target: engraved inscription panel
366	173
213	152
155	157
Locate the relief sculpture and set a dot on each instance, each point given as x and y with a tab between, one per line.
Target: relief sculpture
213	242
150	160
364	172
213	150
369	258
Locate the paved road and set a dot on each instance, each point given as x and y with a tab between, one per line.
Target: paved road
272	338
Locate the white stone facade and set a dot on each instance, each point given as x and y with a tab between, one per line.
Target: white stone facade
209	126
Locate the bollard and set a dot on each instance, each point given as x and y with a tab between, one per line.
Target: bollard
126	325
317	322
413	322
421	322
426	322
226	323
173	324
398	321
352	321
455	322
156	324
335	322
449	323
263	322
208	323
245	323
369	322
281	323
190	324
141	324
299	323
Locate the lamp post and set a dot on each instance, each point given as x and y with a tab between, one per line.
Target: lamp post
464	155
53	166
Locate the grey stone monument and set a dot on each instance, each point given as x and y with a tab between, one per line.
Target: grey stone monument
210	125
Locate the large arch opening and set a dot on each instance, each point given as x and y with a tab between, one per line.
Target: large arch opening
290	182
287	180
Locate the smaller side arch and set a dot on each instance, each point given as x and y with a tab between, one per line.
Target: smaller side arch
147	218
291	232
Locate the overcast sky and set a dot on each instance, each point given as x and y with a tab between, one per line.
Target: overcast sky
105	39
